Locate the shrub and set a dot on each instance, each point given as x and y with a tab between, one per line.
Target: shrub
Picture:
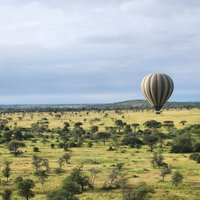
59	170
182	144
132	140
14	145
177	178
78	176
60	194
36	149
140	192
195	156
6	195
89	144
18	179
61	145
157	159
196	147
72	144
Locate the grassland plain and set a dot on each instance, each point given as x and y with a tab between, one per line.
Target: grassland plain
137	166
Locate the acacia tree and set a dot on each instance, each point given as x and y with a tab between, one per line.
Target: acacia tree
169	125
7	170
120	124
25	188
39	162
164	172
161	136
94	129
135	126
78	176
66	127
103	136
94	173
14	145
42	176
183	122
78	131
152	124
60	162
151	140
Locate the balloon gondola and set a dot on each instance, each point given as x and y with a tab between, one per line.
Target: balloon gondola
157	89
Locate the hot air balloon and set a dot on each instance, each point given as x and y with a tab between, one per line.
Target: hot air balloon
157	88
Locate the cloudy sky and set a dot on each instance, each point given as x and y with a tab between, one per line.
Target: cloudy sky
96	51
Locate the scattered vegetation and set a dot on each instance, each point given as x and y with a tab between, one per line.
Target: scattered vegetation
99	154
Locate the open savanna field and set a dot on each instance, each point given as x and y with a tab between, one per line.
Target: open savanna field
137	166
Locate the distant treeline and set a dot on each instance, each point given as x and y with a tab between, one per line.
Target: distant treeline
126	105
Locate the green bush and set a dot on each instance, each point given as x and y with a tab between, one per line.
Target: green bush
196	147
177	178
6	195
182	144
195	156
36	149
140	192
60	194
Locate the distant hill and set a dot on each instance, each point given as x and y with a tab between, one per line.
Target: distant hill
131	104
143	104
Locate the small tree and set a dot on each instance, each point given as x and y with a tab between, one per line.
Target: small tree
78	124
103	136
66	157
164	172
25	188
13	146
77	175
161	136
151	140
7	170
66	127
61	162
152	124
157	159
183	122
112	177
94	129
6	195
94	173
42	176
36	162
135	126
39	162
177	178
120	124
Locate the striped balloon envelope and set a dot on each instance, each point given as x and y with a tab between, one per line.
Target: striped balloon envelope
157	88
